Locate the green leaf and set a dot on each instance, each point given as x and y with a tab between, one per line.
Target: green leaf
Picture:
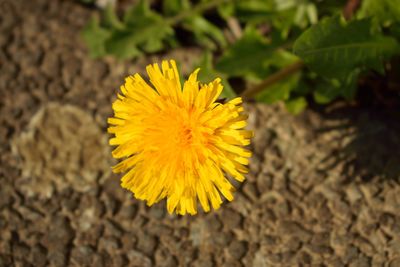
349	84
279	91
208	73
303	87
140	15
173	7
204	31
334	49
312	13
246	57
226	10
325	92
110	18
305	12
296	105
331	7
384	11
122	45
328	90
283	16
128	44
394	30
141	30
282	90
144	30
255	11
95	37
280	58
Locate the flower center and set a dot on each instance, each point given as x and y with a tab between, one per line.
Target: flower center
182	131
174	130
187	135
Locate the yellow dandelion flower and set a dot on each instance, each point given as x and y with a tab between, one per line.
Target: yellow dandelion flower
178	144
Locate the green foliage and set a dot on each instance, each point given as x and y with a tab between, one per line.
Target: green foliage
334	48
253	11
95	37
283	15
276	34
296	105
385	12
339	51
141	30
254	57
144	31
327	90
305	12
279	91
283	89
208	73
205	32
247	57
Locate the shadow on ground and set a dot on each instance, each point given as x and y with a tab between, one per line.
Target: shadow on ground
370	143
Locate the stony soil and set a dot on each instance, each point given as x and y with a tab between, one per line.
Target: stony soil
323	188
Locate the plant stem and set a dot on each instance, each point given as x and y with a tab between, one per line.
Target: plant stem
276	77
200	8
351	7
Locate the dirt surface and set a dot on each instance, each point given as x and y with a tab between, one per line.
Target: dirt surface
323	188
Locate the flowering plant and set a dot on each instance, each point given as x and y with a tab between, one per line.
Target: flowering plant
178	143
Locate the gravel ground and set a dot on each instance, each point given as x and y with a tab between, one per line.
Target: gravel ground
323	188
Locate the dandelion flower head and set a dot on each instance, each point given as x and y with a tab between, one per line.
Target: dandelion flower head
178	143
